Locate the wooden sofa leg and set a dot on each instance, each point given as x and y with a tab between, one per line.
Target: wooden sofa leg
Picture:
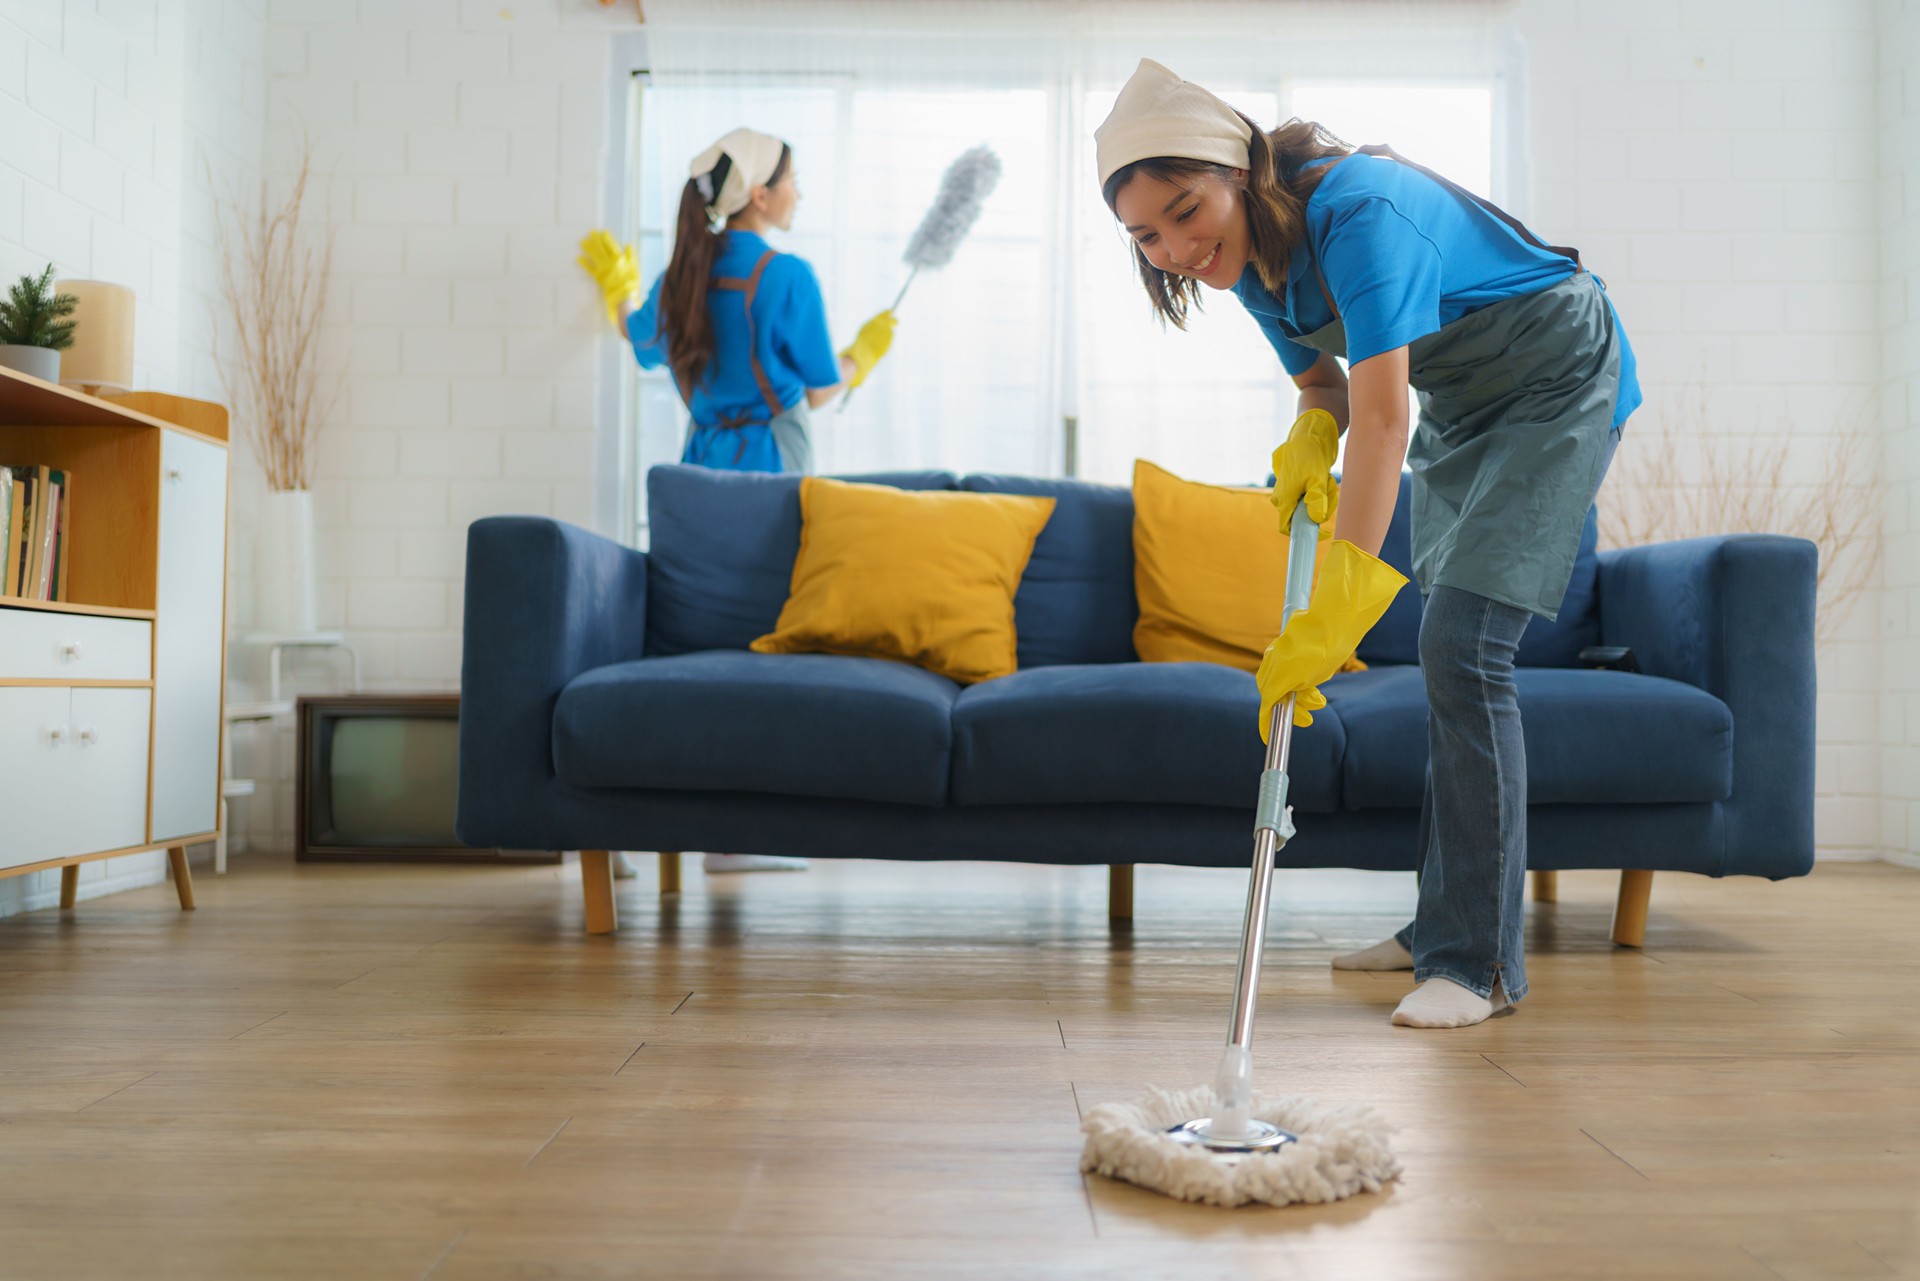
69	886
596	879
1120	891
669	871
182	876
1546	887
1630	911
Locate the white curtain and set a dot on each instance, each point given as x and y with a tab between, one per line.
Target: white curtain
1039	319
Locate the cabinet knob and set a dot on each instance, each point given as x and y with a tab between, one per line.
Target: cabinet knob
89	736
71	651
173	474
57	736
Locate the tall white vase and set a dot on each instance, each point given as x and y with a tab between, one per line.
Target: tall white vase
283	586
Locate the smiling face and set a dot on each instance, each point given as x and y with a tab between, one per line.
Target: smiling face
1192	225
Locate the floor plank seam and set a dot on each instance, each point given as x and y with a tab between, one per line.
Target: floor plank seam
442	1257
257	1026
1510	1076
1615	1155
1063	1033
1763	1263
623	1062
128	1086
550	1138
676	1009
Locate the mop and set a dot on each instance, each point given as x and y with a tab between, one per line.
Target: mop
1229	1145
969	180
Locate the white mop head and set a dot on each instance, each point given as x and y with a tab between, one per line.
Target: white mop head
964	188
1342	1150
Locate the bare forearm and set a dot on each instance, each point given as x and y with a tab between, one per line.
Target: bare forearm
818	396
1376	445
1332	399
1370	482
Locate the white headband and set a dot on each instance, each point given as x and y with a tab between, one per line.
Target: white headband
1159	114
755	156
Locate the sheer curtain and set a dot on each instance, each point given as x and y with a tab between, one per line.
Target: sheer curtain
1039	321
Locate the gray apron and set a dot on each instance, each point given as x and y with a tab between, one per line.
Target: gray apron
1515	432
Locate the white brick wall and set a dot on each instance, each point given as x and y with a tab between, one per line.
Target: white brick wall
464	146
1898	34
109	126
1715	161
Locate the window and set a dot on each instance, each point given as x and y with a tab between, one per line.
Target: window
1039	320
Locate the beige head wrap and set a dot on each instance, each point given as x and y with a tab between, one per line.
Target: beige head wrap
1159	114
754	157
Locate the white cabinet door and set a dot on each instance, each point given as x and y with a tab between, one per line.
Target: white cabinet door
34	809
105	770
187	642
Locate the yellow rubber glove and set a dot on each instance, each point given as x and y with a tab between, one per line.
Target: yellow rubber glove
613	268
1303	468
869	345
1352	592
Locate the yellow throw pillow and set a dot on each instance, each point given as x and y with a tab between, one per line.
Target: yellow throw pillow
922	576
1209	569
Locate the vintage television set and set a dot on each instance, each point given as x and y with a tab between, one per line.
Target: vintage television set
376	781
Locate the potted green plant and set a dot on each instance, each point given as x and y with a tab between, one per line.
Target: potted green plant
32	331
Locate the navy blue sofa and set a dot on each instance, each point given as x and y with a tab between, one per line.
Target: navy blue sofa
609	702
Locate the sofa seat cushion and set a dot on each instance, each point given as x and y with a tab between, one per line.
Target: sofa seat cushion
1170	733
860	729
1592	738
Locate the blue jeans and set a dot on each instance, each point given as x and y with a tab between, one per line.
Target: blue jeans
1469	925
1473	814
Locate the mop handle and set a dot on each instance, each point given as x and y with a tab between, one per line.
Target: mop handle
1303	538
1272	826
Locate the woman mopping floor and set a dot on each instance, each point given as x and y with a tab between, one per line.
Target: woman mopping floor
1525	377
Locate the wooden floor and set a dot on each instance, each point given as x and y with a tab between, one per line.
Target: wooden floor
875	1070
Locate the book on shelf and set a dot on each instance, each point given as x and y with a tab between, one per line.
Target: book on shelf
37	502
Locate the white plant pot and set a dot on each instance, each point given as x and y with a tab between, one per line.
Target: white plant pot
39	362
283	586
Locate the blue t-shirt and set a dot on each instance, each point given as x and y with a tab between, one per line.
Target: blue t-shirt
1403	256
789	335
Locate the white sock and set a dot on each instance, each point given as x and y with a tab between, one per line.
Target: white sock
752	863
1441	1002
1384	955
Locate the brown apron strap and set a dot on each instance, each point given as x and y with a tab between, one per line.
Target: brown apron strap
750	286
1520	229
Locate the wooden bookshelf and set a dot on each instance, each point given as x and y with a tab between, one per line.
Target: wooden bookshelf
109	741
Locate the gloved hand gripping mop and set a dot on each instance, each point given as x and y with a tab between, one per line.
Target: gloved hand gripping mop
1247	1147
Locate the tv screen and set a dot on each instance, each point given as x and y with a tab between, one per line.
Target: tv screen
393	780
378	781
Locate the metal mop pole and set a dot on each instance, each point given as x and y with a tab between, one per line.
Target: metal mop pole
1231	1130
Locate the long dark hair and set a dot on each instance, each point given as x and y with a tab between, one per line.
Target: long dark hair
1278	182
697	245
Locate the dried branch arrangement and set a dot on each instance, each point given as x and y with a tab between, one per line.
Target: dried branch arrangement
1744	485
273	283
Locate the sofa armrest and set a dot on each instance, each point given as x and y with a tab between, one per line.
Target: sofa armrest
545	601
1734	615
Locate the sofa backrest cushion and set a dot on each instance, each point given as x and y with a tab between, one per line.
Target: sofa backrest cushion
1396	637
721	551
1076	603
